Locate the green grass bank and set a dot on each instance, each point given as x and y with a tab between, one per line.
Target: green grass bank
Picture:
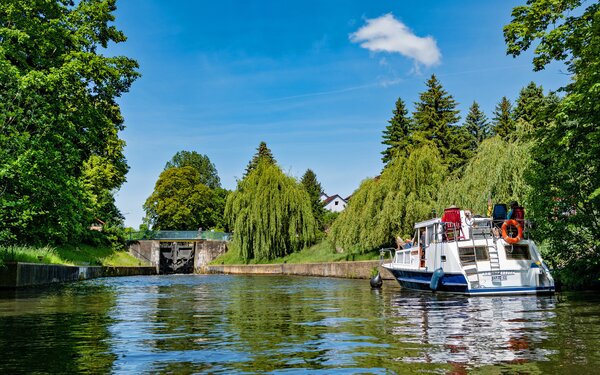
323	252
72	255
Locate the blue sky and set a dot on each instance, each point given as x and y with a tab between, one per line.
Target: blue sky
316	80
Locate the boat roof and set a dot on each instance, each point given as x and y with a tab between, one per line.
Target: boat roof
427	223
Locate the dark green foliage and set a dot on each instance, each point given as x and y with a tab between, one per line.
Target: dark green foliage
396	135
503	121
314	190
181	201
528	113
565	174
388	206
60	155
477	125
206	169
270	214
262	153
496	172
435	118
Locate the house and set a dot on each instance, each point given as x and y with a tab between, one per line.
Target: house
334	203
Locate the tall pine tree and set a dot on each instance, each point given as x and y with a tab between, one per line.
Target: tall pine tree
262	153
435	117
503	123
396	135
314	189
528	111
477	125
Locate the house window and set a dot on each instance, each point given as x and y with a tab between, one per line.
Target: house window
336	203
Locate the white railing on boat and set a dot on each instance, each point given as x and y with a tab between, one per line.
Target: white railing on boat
408	256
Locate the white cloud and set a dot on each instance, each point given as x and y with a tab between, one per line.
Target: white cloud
387	34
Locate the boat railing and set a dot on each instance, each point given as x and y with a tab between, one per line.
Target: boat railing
477	228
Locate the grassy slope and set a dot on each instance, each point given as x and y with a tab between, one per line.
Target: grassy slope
319	253
69	255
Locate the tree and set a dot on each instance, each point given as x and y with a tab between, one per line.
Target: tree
435	117
386	207
181	201
528	112
477	125
262	153
61	158
270	214
497	171
314	190
565	173
206	169
503	121
396	135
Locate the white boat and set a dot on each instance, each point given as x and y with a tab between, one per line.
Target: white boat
472	256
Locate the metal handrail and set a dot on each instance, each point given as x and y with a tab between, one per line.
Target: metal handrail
180	235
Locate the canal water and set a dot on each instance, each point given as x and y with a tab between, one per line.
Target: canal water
290	325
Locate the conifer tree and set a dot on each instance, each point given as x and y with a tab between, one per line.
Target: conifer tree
396	135
262	153
477	125
314	189
503	121
528	110
435	116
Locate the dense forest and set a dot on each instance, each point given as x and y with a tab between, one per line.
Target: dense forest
61	158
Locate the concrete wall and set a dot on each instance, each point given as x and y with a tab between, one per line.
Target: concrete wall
206	252
17	275
353	270
146	251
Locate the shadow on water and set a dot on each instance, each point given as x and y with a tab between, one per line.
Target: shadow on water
286	325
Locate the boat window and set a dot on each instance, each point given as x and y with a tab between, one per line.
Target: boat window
468	255
518	252
430	234
407	256
482	253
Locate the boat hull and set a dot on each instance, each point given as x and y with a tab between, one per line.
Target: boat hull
456	283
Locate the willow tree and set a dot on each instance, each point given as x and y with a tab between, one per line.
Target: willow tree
270	214
496	172
388	206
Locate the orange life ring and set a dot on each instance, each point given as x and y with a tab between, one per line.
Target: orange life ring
506	237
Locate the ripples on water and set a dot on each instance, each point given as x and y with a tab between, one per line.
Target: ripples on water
289	325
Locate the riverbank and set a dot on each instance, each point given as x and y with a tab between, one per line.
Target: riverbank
19	275
70	255
322	252
349	270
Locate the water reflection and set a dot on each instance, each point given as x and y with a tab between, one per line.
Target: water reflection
57	330
286	325
473	331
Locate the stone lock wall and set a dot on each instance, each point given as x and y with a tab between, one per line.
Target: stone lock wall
206	252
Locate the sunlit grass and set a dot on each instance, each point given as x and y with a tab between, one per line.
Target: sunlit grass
81	255
320	253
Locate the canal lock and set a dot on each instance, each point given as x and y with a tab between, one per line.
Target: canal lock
176	257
